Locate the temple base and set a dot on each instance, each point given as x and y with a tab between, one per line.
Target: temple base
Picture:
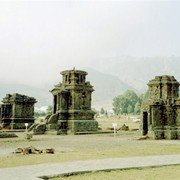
167	133
75	126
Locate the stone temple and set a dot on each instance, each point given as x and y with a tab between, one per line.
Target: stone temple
17	110
161	109
72	112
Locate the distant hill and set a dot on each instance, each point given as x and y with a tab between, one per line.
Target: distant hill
41	94
138	71
112	77
106	88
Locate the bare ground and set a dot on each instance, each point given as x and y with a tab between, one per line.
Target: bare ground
83	147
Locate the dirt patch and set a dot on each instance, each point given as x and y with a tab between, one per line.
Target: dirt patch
84	147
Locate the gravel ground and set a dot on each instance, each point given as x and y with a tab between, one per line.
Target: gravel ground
83	147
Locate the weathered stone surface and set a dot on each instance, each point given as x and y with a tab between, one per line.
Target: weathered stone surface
50	151
19	150
76	126
161	109
16	110
39	128
72	104
124	128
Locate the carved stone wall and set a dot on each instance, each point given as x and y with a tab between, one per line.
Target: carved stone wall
16	110
163	108
72	104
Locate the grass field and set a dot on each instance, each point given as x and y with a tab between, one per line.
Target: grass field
158	173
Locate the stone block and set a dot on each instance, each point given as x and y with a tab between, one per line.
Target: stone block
178	133
82	126
51	126
39	129
158	134
170	134
21	125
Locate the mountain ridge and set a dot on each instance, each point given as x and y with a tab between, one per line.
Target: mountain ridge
136	72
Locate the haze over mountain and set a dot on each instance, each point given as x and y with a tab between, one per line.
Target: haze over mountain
138	71
106	88
116	76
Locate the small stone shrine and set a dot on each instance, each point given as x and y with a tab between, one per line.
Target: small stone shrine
72	104
17	110
161	109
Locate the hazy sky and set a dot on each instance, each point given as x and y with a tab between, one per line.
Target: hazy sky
39	39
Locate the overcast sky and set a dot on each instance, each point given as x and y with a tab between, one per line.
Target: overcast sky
40	39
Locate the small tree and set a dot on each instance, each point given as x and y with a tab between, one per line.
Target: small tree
125	103
137	108
130	109
131	97
116	105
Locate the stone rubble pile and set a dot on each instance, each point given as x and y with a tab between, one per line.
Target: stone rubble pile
33	150
124	128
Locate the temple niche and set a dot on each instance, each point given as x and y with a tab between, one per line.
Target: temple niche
72	104
161	108
17	110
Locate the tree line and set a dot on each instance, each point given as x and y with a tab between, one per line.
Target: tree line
128	103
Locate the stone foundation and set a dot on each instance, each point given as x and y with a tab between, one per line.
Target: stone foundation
158	134
167	133
75	126
21	125
170	133
178	133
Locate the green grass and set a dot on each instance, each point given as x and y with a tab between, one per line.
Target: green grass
158	173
